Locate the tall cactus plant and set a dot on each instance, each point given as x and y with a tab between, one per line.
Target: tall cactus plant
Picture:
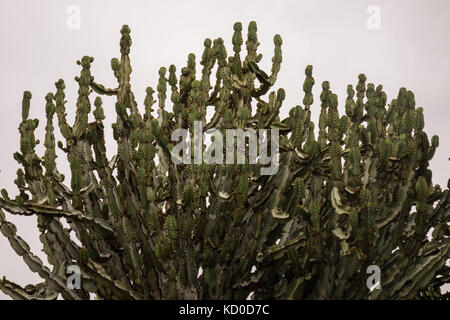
352	191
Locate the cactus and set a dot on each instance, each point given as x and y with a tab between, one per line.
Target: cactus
359	194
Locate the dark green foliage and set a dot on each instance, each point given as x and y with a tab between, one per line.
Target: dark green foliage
360	194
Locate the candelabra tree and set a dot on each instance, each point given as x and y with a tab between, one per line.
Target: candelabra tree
141	226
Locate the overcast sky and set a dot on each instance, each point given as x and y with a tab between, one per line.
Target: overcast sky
395	43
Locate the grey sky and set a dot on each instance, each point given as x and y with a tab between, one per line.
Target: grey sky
411	49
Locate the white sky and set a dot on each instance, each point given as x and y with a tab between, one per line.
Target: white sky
410	49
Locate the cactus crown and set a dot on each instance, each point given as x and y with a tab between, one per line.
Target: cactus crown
339	203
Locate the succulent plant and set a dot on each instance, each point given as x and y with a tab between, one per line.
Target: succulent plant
141	226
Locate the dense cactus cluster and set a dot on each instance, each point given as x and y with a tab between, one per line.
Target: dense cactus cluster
140	226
